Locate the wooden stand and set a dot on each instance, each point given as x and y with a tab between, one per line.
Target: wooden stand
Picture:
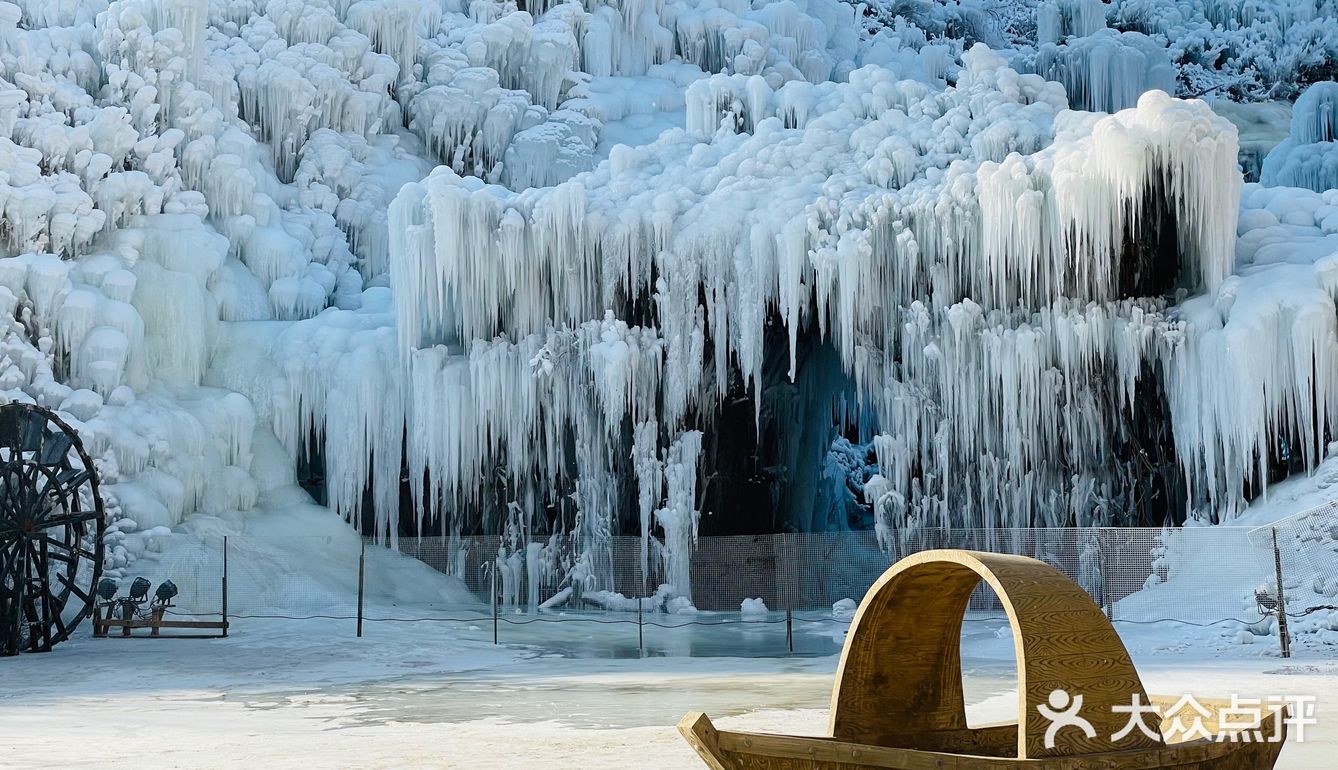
155	623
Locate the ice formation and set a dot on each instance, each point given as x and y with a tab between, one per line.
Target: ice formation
552	273
1107	70
1249	50
1308	157
856	212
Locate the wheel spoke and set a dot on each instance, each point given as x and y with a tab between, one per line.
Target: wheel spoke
28	496
64	558
73	517
72	551
36	563
37	488
76	590
38	571
11	502
13	548
62	633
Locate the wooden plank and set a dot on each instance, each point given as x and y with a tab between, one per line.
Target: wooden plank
138	623
701	735
754	750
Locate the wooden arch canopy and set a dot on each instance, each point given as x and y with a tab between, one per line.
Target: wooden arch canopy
899	683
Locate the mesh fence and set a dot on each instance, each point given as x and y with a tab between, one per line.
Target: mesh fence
1195	575
194	565
1303	549
1133	574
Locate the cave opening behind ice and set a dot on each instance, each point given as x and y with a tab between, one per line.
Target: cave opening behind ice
792	462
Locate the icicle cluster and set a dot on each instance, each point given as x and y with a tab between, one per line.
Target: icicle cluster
125	156
1107	71
1102	69
1308	157
866	212
1256	380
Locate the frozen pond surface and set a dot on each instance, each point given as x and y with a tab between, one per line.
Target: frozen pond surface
284	694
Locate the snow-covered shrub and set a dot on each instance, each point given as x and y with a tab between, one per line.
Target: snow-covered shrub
753	609
844	609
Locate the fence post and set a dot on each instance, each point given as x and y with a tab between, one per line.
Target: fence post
225	586
492	599
1283	636
362	569
1107	603
640	632
789	632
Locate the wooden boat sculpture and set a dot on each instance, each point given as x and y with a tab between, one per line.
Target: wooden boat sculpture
898	703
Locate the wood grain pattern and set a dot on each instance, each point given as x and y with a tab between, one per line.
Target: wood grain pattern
1062	641
898	702
727	750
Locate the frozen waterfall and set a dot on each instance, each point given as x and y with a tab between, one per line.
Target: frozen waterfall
555	272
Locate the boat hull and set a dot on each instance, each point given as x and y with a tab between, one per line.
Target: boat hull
728	750
898	703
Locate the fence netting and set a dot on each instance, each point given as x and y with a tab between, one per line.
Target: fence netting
1303	549
1199	575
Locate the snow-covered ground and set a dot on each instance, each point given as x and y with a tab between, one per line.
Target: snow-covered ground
284	694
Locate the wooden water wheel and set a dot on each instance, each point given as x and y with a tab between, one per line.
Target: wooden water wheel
52	524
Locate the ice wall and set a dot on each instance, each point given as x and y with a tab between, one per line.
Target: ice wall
972	251
202	263
176	166
151	198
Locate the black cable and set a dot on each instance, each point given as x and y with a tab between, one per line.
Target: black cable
1190	622
513	622
629	621
1309	610
296	617
712	623
428	620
